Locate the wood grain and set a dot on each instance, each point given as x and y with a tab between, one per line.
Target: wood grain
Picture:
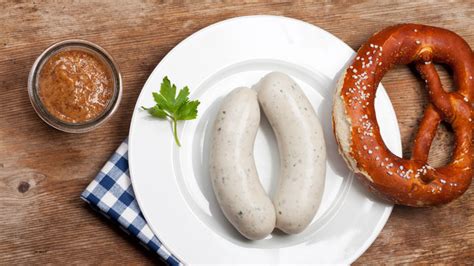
43	171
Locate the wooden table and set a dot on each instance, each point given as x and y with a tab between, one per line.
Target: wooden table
43	171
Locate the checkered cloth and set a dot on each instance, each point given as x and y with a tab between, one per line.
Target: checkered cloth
111	194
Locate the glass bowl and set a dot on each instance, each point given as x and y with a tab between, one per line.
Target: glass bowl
104	57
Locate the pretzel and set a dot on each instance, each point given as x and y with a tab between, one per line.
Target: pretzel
408	182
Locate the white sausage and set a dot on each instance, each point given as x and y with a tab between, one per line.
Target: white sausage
232	166
302	151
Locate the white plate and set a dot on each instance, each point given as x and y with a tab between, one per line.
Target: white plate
172	184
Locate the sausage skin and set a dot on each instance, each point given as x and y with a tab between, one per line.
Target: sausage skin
234	176
302	151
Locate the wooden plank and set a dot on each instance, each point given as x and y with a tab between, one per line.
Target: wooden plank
43	171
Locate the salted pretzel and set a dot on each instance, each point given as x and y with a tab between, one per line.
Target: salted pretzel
408	182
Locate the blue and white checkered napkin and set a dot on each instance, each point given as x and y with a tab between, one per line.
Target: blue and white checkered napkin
111	194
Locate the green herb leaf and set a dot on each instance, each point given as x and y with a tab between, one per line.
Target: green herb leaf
176	108
167	90
188	111
182	97
161	101
156	111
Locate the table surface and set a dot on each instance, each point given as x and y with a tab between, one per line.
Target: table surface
43	171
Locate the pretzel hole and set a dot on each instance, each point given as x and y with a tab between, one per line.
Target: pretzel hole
446	76
405	86
442	148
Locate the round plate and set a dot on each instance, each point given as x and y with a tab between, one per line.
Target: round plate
172	184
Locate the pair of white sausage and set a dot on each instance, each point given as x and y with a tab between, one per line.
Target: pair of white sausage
302	158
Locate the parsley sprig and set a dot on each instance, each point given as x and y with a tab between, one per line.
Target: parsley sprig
170	106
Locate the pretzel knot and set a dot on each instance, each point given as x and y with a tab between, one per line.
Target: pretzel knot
408	182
